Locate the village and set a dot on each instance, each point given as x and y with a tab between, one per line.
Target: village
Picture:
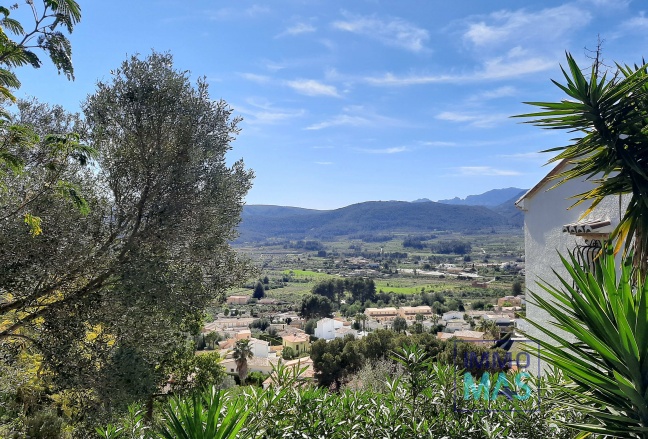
287	338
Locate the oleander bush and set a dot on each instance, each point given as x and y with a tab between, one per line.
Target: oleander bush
290	410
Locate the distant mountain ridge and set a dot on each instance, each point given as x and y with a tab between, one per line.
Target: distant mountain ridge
491	198
261	222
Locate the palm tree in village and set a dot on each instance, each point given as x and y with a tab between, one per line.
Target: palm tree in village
242	352
489	328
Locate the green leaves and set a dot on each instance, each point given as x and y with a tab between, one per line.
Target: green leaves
204	416
606	353
47	19
610	118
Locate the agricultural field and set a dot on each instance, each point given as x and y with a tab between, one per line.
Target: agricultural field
399	264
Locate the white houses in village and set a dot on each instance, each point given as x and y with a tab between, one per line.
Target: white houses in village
326	328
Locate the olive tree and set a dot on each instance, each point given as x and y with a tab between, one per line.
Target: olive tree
117	287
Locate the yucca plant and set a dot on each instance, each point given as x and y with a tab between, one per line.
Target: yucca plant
204	416
610	115
607	364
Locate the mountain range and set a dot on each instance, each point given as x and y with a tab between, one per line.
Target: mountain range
491	211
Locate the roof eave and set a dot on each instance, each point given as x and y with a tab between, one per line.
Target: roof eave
535	189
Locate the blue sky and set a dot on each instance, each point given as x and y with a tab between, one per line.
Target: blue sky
352	101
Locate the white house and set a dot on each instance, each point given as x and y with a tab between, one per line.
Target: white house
260	348
326	328
453	315
551	227
344	331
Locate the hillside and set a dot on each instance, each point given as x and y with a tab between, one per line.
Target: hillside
492	198
372	217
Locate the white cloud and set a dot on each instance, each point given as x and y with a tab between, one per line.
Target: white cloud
235	13
546	26
341	120
261	79
394	32
486	120
356	116
297	29
437	143
500	92
263	112
485	171
394	150
503	68
324	163
609	3
310	87
492	69
640	22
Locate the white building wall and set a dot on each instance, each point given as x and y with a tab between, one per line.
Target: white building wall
326	328
260	348
545	213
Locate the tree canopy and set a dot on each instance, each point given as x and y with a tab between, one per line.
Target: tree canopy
121	282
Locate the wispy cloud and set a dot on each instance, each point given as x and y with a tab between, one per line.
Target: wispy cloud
639	22
394	150
341	120
356	116
546	25
297	29
500	92
437	143
311	87
262	112
394	32
253	11
324	163
485	171
483	120
308	87
609	3
505	67
260	79
498	68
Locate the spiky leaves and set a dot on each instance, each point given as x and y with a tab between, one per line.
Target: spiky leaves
608	361
610	116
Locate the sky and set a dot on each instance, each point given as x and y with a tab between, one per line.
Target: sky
363	100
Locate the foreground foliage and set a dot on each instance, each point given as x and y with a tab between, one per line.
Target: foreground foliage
97	307
420	405
607	316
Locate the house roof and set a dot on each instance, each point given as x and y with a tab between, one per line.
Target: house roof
469	334
254	361
257	341
345	330
297	338
290	331
461	335
387	309
417	309
227	344
535	189
305	361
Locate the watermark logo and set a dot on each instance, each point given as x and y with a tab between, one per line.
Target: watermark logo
495	369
